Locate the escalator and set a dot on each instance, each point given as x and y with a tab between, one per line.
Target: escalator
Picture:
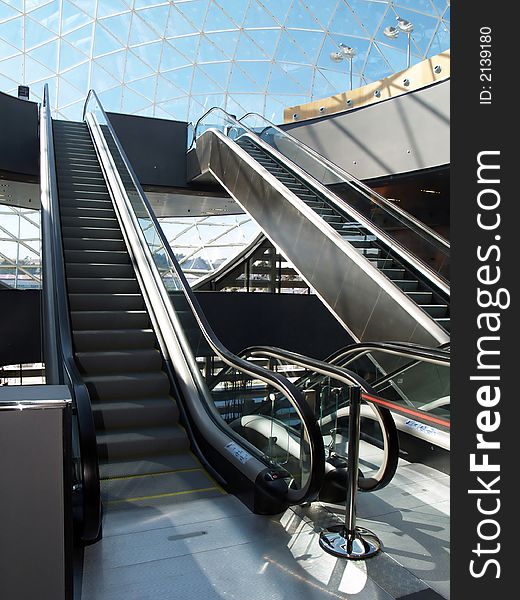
146	424
376	287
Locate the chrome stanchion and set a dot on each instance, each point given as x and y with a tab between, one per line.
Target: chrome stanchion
348	540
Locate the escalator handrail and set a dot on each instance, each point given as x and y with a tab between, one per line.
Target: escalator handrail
280	383
341	374
434	278
59	352
412	351
433	236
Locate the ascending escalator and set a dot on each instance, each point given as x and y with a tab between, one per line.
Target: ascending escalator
112	334
375	286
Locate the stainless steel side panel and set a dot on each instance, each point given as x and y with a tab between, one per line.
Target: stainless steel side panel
366	302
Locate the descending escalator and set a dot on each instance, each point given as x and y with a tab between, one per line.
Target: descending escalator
374	285
146	423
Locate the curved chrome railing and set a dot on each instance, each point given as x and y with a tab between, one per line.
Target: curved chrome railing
327	414
162	280
60	366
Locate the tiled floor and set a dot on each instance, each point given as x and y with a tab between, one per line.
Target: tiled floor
215	548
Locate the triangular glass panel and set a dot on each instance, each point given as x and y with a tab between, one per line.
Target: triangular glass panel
252	102
72	112
111	99
257	44
177	108
274	106
377	67
100	78
301	18
78	76
217	20
104	42
416	5
68	94
132	103
441	41
166	90
241	83
301	75
149	53
321	11
46	54
7	85
13	68
235	9
310	41
119	26
140	32
48	16
156	17
257	72
210	100
181	78
202	84
440	5
344	20
106	9
171	59
226	41
12	32
146	87
81	38
187	46
35	34
35	71
114	63
288	50
178	24
395	56
235	105
369	14
135	67
7	12
87	6
257	16
71	17
194	11
218	72
6	50
278	9
328	83
280	82
209	51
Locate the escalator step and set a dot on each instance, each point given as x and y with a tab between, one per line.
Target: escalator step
154	464
119	361
420	297
124	386
142	442
92	244
104	257
135	412
92	232
394	273
114	339
99	285
407	285
106	302
435	310
110	319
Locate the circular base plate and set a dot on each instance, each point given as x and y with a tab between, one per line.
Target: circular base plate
363	544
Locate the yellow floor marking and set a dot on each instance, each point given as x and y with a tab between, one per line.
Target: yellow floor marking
209	489
217	484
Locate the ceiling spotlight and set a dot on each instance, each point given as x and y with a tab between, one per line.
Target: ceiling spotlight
404	25
347	51
336	57
391	32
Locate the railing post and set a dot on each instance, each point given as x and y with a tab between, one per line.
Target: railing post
348	540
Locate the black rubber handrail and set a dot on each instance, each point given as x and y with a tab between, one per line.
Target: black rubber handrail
58	347
317	452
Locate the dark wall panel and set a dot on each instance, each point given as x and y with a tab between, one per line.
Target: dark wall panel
155	147
19	150
20	333
300	323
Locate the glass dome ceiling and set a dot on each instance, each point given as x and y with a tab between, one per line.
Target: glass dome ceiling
179	58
